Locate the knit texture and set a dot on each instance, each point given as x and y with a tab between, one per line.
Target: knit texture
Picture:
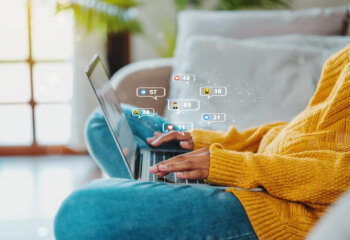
303	166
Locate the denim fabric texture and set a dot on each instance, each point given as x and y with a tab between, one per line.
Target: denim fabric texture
122	208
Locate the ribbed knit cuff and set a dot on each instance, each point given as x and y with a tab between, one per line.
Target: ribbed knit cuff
226	167
203	138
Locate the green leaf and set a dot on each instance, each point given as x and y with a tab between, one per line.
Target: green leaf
103	15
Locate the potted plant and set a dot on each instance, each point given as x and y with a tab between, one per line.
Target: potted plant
114	18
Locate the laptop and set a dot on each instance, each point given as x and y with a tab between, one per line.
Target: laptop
138	161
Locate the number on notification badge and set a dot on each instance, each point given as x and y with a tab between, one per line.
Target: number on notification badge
152	92
213	91
186	78
213	117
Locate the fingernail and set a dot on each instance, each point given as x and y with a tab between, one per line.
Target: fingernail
153	169
184	144
154	142
163	167
179	174
148	139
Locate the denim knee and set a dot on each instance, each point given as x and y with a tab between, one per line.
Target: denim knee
102	147
72	220
85	214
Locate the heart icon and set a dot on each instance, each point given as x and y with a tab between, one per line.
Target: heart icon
176	78
170	127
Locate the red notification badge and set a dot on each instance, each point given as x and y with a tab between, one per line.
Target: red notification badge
176	77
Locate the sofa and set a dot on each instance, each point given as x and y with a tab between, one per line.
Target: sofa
256	30
157	72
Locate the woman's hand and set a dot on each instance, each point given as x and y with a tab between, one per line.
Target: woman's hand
185	139
192	165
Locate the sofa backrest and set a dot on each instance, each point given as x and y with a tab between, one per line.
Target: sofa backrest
246	24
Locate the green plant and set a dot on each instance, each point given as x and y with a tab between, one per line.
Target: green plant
104	16
233	4
243	4
183	4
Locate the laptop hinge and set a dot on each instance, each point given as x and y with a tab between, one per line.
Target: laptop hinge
138	163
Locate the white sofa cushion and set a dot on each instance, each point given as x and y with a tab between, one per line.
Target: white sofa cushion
247	24
268	79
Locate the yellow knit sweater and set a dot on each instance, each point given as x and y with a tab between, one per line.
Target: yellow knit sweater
304	165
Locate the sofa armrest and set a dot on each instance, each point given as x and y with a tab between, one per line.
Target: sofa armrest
147	73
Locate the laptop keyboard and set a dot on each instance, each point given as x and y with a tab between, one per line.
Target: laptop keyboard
157	157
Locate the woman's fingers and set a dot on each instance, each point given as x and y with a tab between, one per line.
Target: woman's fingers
195	174
178	158
151	139
125	151
196	162
187	144
198	159
167	137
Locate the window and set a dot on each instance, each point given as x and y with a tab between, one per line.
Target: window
36	77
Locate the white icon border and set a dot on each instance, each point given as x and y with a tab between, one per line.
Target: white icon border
154	97
177	123
207	121
210	96
182	110
140	116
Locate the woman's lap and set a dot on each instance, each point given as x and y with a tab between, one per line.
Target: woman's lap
128	209
123	208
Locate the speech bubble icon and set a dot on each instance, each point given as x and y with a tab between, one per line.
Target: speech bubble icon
213	91
142	112
181	127
152	92
213	117
181	105
184	78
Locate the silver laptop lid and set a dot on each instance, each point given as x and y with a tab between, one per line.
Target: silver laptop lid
114	114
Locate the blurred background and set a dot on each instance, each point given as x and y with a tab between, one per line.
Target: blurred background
45	98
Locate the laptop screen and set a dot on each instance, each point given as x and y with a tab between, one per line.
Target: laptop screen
114	115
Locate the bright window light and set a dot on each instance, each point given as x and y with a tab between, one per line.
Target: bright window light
52	122
16	125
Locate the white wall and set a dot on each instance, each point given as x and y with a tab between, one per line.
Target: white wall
157	15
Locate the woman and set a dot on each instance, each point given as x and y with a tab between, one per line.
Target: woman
303	167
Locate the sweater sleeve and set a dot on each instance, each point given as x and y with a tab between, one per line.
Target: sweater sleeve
247	140
309	177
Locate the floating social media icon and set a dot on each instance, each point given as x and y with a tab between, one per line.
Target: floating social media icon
175	105
183	104
213	117
143	92
177	126
136	112
213	91
206	91
185	78
152	92
142	112
170	127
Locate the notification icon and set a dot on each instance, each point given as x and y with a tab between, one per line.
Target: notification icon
170	127
176	77
143	91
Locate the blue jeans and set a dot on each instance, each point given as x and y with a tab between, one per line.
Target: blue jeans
121	208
